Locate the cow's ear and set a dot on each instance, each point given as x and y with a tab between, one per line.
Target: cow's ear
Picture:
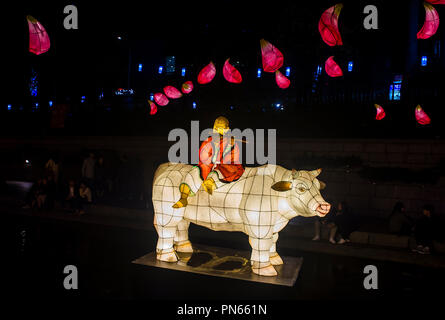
322	185
315	173
294	174
281	186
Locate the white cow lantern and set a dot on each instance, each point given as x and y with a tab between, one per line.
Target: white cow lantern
260	204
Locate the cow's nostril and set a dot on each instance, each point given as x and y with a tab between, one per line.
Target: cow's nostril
323	208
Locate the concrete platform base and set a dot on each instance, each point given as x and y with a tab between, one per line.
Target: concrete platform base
228	263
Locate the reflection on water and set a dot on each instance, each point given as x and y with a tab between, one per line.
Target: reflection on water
37	249
208	260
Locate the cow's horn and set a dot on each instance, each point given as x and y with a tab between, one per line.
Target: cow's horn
294	174
322	185
315	173
281	186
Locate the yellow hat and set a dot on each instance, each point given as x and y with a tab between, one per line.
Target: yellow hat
221	125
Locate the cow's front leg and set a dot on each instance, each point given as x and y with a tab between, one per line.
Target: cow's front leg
166	233
181	240
260	258
275	258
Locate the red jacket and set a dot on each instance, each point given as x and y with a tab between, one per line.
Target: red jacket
225	159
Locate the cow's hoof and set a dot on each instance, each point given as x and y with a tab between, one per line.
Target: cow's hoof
276	259
185	246
167	256
268	271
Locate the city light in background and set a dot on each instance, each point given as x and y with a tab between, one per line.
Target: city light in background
350	66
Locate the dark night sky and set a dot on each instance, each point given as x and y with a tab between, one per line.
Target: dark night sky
197	32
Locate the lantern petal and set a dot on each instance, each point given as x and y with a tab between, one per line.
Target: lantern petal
281	80
187	87
172	92
231	74
153	107
436	1
207	74
380	112
328	26
421	117
272	57
38	37
332	68
431	23
161	99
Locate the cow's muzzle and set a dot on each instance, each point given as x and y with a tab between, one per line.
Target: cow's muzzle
323	209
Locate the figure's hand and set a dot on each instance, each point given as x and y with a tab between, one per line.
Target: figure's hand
209	185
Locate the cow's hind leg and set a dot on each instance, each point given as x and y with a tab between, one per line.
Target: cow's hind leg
275	258
166	226
181	240
260	258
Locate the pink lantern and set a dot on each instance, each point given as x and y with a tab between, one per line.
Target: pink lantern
153	107
431	22
38	37
328	26
380	112
436	1
207	73
161	99
187	87
281	80
172	92
231	74
271	56
332	68
421	117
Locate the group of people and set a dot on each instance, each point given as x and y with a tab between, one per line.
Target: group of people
75	196
424	228
341	224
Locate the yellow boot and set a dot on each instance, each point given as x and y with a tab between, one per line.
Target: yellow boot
209	185
185	192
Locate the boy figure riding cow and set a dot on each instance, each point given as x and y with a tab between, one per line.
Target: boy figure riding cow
258	201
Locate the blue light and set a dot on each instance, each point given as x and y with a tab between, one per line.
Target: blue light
160	69
424	61
170	64
151	96
287	71
194	105
258	73
231	107
397	89
50	103
350	66
183	72
278	105
319	69
391	91
82	99
140	67
9	107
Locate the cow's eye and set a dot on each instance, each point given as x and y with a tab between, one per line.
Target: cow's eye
301	189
